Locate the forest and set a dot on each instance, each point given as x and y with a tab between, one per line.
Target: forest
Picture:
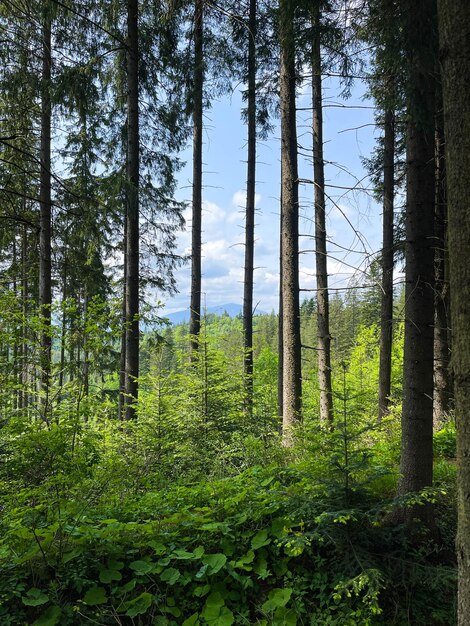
305	466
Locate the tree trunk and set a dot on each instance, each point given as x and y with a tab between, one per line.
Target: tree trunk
45	222
321	259
132	206
386	315
63	329
417	417
442	382
122	355
196	228
454	18
292	384
280	345
250	215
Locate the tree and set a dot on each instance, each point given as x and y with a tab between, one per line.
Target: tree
417	417
132	213
196	225
442	374
454	17
250	211
321	258
386	314
45	214
291	358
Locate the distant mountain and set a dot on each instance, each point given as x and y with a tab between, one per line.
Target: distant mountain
231	309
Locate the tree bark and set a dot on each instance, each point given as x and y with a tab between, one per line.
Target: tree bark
386	315
122	356
454	18
45	221
196	228
280	345
250	215
321	258
442	377
417	416
132	206
292	384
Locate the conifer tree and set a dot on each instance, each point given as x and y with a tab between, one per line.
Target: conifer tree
323	315
196	223
291	357
416	465
454	17
132	213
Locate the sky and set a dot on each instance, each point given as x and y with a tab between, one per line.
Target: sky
348	136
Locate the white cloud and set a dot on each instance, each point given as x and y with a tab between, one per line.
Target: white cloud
239	199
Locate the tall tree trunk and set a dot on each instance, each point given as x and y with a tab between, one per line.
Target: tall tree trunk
454	18
45	222
250	215
122	355
196	228
132	205
23	376
442	376
292	383
280	345
63	329
386	312
417	416
321	259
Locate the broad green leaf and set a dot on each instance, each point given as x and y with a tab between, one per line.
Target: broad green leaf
183	555
219	617
214	602
244	561
129	586
284	617
95	595
199	551
261	568
35	597
68	556
172	610
114	564
108	575
158	547
201	591
260	540
276	598
50	617
170	575
193	620
141	567
214	561
139	605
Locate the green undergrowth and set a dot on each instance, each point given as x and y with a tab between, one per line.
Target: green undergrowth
285	544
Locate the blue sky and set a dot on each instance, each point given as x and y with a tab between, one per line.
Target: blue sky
224	199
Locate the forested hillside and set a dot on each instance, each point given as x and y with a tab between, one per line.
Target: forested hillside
304	466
